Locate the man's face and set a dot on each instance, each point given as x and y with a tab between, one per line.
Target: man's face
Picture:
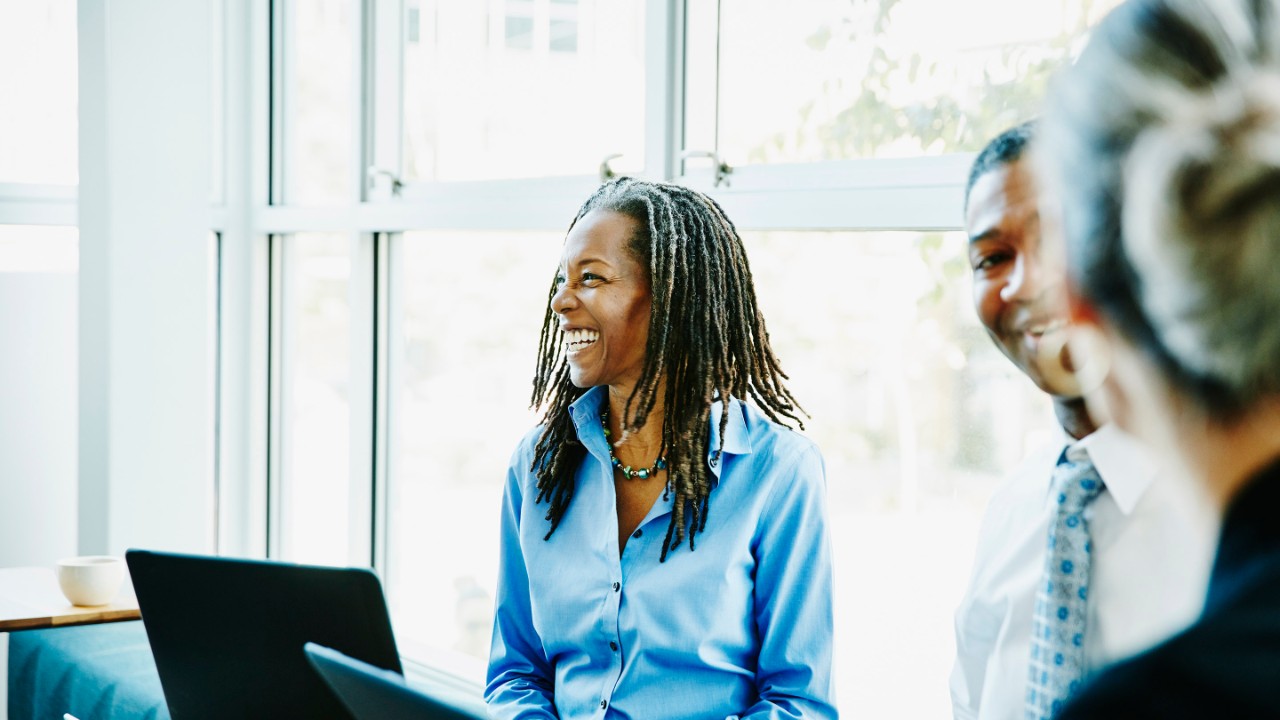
1018	296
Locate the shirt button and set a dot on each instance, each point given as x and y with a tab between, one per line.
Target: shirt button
637	533
613	646
617	587
604	704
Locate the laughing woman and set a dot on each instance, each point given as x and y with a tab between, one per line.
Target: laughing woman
664	541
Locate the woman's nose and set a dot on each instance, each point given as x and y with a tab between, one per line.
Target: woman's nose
563	299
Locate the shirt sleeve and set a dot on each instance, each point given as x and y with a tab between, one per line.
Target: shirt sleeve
975	634
977	627
521	681
970	669
793	605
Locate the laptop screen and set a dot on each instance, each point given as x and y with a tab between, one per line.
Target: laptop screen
375	694
228	634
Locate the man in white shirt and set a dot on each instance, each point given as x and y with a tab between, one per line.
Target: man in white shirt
1151	544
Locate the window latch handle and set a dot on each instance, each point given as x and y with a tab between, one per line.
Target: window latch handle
374	173
607	173
723	170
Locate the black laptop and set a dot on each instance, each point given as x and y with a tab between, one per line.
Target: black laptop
227	634
371	693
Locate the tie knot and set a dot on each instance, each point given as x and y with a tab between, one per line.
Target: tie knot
1076	481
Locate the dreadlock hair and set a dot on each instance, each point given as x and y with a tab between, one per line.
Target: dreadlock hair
707	340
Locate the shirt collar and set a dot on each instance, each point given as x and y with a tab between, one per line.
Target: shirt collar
1123	463
737	441
585	414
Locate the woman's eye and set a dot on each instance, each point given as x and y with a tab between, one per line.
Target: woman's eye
591	279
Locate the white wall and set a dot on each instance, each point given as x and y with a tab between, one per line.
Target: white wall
146	327
37	418
37	425
106	378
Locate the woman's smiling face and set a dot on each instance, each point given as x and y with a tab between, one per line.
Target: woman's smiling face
603	301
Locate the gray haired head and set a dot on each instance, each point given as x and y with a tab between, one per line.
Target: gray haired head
1162	144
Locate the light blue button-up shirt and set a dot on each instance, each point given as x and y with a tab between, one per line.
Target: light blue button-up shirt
739	627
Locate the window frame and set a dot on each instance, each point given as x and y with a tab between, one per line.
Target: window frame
920	194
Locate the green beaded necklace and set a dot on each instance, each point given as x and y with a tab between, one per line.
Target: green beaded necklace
627	472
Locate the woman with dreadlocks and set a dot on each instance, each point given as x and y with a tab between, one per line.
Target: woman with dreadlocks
664	544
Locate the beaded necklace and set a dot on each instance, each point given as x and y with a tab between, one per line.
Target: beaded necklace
627	472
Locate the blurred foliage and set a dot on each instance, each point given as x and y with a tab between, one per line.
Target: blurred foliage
877	114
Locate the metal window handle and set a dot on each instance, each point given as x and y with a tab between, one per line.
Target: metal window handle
723	170
374	173
607	173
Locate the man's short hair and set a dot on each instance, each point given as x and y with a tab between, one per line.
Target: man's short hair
1005	149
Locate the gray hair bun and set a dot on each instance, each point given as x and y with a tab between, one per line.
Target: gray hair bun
1163	144
1201	224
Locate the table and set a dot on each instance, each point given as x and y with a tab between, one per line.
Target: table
30	599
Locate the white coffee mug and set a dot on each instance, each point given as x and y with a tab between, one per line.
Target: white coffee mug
91	580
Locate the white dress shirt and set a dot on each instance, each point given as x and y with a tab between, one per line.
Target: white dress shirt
1153	546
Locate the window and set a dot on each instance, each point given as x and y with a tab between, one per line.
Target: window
38	141
315	403
563	27
918	417
825	80
469	308
39	249
317	68
553	93
218	101
518	20
39	391
404	381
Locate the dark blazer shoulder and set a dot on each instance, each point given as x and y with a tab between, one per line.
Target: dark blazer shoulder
1227	665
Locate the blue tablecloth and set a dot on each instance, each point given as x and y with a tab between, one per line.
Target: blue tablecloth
94	672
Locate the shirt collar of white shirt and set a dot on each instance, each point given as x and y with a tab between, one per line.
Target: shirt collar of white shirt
1124	464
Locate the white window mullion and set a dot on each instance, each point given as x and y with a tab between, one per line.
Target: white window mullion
280	137
277	398
664	87
699	77
383	104
361	398
22	204
924	193
388	349
245	266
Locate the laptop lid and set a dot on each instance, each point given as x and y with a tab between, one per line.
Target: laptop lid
371	693
227	634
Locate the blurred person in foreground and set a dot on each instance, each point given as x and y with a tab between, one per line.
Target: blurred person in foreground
664	549
1088	553
1161	147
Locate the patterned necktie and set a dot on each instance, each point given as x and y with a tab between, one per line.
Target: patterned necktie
1057	632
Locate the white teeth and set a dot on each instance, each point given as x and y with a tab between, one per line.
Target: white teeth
578	339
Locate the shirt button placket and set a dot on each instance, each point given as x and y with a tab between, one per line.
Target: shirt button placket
613	644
